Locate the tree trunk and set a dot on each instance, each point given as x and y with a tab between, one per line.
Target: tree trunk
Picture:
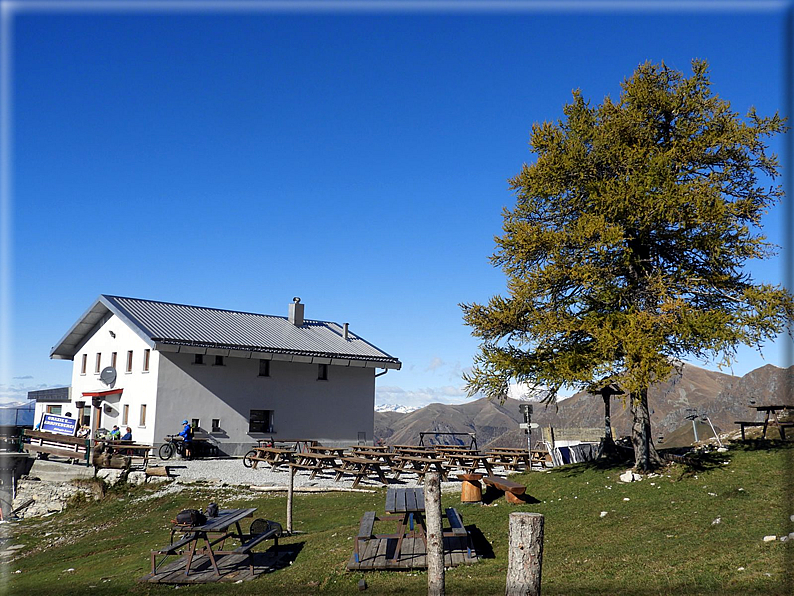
645	456
435	537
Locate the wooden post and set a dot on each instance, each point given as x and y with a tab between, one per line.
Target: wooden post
525	555
289	498
435	538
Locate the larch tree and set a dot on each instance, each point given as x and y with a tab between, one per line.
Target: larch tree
629	246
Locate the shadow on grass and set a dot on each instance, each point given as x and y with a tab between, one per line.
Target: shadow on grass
480	543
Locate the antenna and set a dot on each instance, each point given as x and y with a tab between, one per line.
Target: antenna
108	375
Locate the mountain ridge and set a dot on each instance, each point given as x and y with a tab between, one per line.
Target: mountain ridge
722	397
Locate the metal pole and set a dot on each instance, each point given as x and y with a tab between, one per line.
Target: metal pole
289	498
695	429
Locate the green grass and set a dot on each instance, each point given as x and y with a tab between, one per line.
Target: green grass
660	541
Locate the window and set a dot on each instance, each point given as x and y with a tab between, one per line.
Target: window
260	421
98	366
56	410
322	372
125	415
129	361
146	354
113	360
218	360
216	425
85	416
85	363
143	415
195	424
264	368
198	358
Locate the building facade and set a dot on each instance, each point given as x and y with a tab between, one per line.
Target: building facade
237	377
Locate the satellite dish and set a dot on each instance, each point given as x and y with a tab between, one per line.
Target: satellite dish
108	375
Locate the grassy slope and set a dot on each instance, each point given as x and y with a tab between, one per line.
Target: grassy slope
661	541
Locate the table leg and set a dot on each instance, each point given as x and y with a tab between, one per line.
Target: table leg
400	536
766	424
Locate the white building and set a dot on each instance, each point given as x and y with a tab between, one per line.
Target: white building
236	376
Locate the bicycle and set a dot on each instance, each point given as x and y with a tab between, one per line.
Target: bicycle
170	447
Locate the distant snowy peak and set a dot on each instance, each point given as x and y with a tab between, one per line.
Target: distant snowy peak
395	408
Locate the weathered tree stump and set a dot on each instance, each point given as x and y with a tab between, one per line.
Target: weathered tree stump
525	554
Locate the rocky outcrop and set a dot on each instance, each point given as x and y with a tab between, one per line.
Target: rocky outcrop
51	497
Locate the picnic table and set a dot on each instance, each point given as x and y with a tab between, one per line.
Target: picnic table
274	456
316	462
215	531
383	448
418	465
360	467
298	445
382	456
337	451
130	448
770	419
409	505
468	462
509	459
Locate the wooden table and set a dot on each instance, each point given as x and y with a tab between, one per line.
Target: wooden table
770	419
383	448
131	448
272	455
381	456
409	504
300	445
509	459
418	465
316	462
468	462
214	531
337	451
360	467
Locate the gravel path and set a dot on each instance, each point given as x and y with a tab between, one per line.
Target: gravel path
232	471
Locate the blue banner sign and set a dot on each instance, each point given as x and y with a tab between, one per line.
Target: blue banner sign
61	425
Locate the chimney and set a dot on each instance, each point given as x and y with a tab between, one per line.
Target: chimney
296	312
344	330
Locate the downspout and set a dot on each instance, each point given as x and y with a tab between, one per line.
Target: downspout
380	374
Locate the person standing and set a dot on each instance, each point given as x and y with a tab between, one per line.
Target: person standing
187	437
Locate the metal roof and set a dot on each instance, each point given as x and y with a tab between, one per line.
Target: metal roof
171	327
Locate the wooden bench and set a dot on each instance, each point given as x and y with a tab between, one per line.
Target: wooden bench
512	490
261	530
364	531
171	549
457	528
742	424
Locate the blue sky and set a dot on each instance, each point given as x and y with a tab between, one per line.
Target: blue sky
357	158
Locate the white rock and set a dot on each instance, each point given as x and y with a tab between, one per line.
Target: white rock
740	569
716	521
603	513
770	538
629	476
136	478
722	449
626	499
110	476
